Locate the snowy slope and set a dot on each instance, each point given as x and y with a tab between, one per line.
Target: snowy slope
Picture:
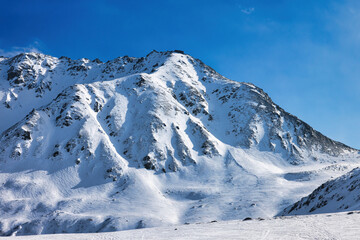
146	142
323	226
340	194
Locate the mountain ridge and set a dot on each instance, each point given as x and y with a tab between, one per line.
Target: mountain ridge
18	74
335	195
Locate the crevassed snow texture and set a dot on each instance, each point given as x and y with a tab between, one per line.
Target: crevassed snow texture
144	142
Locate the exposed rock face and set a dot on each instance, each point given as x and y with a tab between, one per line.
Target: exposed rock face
157	140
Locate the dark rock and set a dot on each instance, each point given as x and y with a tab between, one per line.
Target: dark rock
26	135
97	107
148	164
178	51
79	68
96	60
13	73
141	82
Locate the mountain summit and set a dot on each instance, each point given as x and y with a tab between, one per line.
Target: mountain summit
141	142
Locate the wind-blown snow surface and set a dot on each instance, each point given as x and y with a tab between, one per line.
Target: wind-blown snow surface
146	142
323	226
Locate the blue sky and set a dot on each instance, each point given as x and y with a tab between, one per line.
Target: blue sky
305	54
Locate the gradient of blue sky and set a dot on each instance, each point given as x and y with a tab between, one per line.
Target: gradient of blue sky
305	54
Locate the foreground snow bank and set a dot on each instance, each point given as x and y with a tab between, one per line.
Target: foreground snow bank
322	226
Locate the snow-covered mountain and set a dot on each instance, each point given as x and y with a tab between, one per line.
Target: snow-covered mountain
340	194
137	142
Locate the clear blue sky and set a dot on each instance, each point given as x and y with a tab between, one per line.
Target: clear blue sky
304	53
